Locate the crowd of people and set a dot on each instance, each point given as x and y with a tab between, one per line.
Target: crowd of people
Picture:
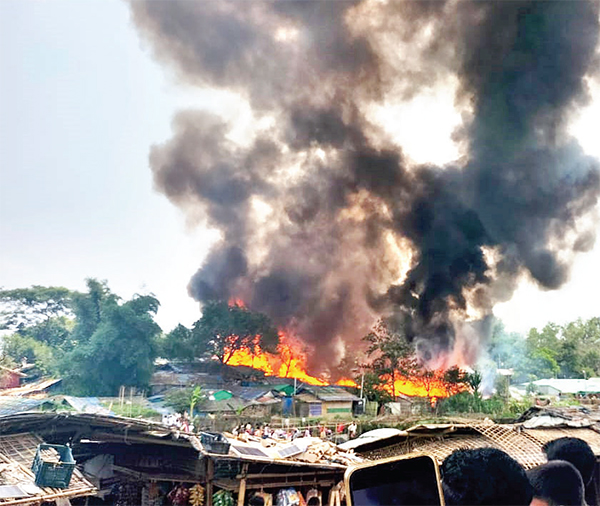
488	476
265	431
178	421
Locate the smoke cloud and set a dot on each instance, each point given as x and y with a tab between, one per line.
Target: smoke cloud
325	224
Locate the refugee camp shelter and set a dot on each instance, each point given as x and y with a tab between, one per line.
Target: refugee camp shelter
567	387
317	401
9	378
128	461
523	440
17	452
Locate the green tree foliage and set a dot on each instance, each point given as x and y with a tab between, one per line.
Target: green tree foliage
185	399
121	350
89	309
223	329
374	391
17	347
178	344
474	380
579	352
390	353
555	351
40	318
196	397
54	332
24	307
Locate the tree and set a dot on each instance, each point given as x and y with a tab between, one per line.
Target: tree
121	351
542	352
579	352
25	307
456	380
391	353
224	329
376	389
182	399
178	344
54	332
474	380
17	347
89	308
196	397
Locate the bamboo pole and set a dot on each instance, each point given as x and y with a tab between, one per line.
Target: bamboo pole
242	491
210	473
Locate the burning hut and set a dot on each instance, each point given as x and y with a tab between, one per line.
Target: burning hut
326	222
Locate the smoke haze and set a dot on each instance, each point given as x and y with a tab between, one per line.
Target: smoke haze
325	224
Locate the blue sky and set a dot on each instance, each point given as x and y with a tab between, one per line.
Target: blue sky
81	102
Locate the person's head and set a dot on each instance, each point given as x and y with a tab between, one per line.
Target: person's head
557	482
257	500
484	476
313	501
573	450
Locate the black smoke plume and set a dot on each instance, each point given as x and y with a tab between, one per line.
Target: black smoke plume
325	224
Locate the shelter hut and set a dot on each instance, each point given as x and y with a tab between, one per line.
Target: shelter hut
318	401
523	440
17	452
129	461
10	378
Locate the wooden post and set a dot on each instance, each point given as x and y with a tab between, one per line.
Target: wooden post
242	491
210	472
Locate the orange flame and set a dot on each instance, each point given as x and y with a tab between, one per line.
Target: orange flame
430	385
236	302
287	363
346	382
290	360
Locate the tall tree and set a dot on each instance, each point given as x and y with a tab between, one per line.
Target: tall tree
89	308
390	353
542	351
121	350
579	353
40	318
223	329
29	306
376	389
179	344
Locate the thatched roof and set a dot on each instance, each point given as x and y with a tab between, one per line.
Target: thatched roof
17	452
524	445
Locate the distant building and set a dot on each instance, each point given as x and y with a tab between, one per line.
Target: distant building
10	378
562	387
315	401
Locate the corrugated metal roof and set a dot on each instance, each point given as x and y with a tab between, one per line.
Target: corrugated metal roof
30	388
571	386
87	405
332	393
250	393
13	405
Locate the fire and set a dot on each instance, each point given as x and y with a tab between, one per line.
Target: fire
431	384
287	363
290	360
345	382
236	302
